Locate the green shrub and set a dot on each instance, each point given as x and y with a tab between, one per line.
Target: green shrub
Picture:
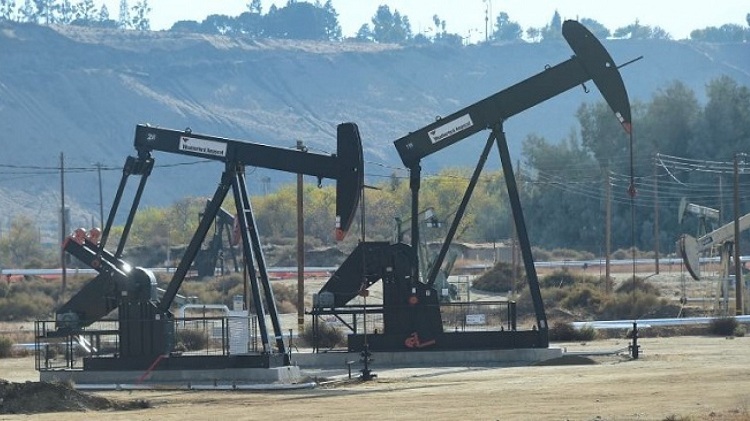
637	284
22	305
498	279
565	332
541	255
568	254
723	326
582	297
6	347
629	306
191	339
558	279
564	278
328	336
627	254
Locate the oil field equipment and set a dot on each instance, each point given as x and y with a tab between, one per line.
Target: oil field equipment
410	309
145	328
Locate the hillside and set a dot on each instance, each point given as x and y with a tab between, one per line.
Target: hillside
81	92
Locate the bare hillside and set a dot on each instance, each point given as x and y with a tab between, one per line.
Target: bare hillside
82	91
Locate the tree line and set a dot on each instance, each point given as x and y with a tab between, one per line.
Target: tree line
83	13
318	21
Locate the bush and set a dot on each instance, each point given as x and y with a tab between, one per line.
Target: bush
564	278
25	306
541	255
637	284
626	254
723	326
191	340
286	297
6	347
630	306
568	254
498	279
328	336
565	332
583	297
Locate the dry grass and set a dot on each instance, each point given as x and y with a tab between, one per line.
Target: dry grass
18	332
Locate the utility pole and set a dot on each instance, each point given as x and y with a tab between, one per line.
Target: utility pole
63	228
514	249
487	16
739	309
101	200
486	22
513	256
607	232
300	249
266	181
656	216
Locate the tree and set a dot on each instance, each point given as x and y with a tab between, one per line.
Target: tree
390	27
534	34
250	23
563	201
7	9
123	19
186	26
506	29
600	31
274	211
141	21
27	12
331	21
302	20
638	31
255	7
490	204
553	31
217	24
44	11
724	33
365	33
442	36
21	244
727	118
103	20
601	134
66	12
670	122
85	13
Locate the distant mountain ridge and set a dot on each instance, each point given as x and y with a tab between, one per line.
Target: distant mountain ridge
82	91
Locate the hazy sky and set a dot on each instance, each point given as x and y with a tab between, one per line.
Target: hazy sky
467	17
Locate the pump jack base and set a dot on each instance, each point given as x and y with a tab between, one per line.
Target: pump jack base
449	341
233	371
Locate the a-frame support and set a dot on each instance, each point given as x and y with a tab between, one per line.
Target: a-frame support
234	178
497	137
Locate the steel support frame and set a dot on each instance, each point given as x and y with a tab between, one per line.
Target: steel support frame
497	136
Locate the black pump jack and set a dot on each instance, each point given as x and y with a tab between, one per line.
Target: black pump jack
410	309
146	325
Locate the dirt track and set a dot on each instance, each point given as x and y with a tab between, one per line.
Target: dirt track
685	376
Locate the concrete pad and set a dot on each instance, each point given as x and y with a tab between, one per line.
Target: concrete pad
235	376
490	357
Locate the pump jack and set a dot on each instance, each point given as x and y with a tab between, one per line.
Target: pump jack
206	259
146	325
411	311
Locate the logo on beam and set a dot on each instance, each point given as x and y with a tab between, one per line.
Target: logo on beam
202	146
449	129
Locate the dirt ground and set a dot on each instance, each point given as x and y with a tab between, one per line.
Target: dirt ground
680	378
